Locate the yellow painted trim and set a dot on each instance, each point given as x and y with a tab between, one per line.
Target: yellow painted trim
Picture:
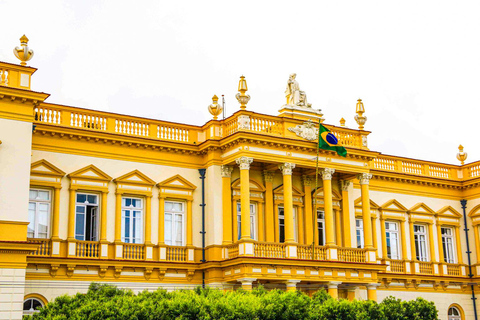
148	219
347	232
403	236
189	223
269	213
338	228
309	222
36	296
56	213
458	245
103	217
440	246
456	305
71	215
13	230
227	210
161	221
245	203
329	220
118	217
367	220
432	244
288	208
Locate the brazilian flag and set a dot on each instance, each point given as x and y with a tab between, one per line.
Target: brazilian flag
328	141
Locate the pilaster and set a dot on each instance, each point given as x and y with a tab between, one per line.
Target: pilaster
286	169
226	172
269	210
364	179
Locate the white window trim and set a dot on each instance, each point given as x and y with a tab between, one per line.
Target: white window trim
37	201
426	258
253	231
452	237
362	239
84	204
32	312
142	219
184	222
295	226
322	221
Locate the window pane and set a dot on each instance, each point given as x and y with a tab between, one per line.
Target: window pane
177	206
168	228
42	220
43	195
31	220
252	227
81	198
79	226
127	226
92	199
168	206
33	194
179	230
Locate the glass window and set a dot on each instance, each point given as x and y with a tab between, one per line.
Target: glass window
454	314
86	217
39	206
132	220
174	223
447	244
359	232
321	227
31	306
420	236
253	218
392	236
281	224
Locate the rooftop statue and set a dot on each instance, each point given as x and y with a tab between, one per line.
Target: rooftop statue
295	97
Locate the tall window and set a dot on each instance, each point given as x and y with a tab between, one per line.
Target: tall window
281	223
391	234
38	213
86	217
454	314
253	210
447	243
359	232
321	227
420	237
175	223
132	224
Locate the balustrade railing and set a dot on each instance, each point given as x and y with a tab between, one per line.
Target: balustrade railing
87	249
15	76
47	115
133	251
264	124
347	138
425	267
474	170
397	266
307	252
269	250
453	269
44	248
88	121
351	255
134	128
177	254
232	251
419	168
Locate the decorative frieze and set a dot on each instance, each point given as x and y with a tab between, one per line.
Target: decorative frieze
244	163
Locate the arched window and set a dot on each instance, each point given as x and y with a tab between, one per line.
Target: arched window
31	306
454	314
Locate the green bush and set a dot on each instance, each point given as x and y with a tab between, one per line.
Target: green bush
108	302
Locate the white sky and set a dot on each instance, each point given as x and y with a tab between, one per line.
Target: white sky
415	64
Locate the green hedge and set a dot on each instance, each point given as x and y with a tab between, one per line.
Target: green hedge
107	302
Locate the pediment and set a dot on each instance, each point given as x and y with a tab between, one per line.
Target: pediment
45	168
254	185
90	173
295	191
393	205
449	211
373	205
135	177
475	211
177	182
421	208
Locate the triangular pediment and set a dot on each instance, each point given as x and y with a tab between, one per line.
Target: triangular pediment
320	194
449	211
421	208
296	192
177	182
254	185
475	211
45	168
373	205
90	173
393	205
135	177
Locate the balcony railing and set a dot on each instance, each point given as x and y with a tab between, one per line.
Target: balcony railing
232	251
87	249
133	251
177	254
397	266
269	250
351	255
425	267
307	252
453	270
44	248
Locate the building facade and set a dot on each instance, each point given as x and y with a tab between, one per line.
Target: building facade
90	196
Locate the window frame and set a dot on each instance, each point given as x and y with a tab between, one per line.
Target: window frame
321	221
31	311
452	237
37	209
359	233
417	235
389	239
174	214
87	204
124	208
295	223
253	231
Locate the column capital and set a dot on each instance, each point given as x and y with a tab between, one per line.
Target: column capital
307	181
268	175
334	284
244	162
226	171
364	178
287	168
344	184
372	286
327	173
247	281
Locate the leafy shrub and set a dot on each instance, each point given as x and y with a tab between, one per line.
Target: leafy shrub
108	302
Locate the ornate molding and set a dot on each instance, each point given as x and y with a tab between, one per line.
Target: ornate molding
306	130
226	171
268	176
327	173
244	162
344	184
287	168
364	178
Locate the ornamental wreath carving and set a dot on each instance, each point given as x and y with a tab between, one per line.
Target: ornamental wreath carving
306	130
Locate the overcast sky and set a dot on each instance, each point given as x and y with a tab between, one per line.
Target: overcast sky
415	64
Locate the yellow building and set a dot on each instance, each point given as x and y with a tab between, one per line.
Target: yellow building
140	203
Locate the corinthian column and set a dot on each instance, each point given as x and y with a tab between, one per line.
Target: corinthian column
364	179
288	201
227	204
244	163
327	194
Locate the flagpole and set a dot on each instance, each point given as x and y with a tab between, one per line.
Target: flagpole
314	198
